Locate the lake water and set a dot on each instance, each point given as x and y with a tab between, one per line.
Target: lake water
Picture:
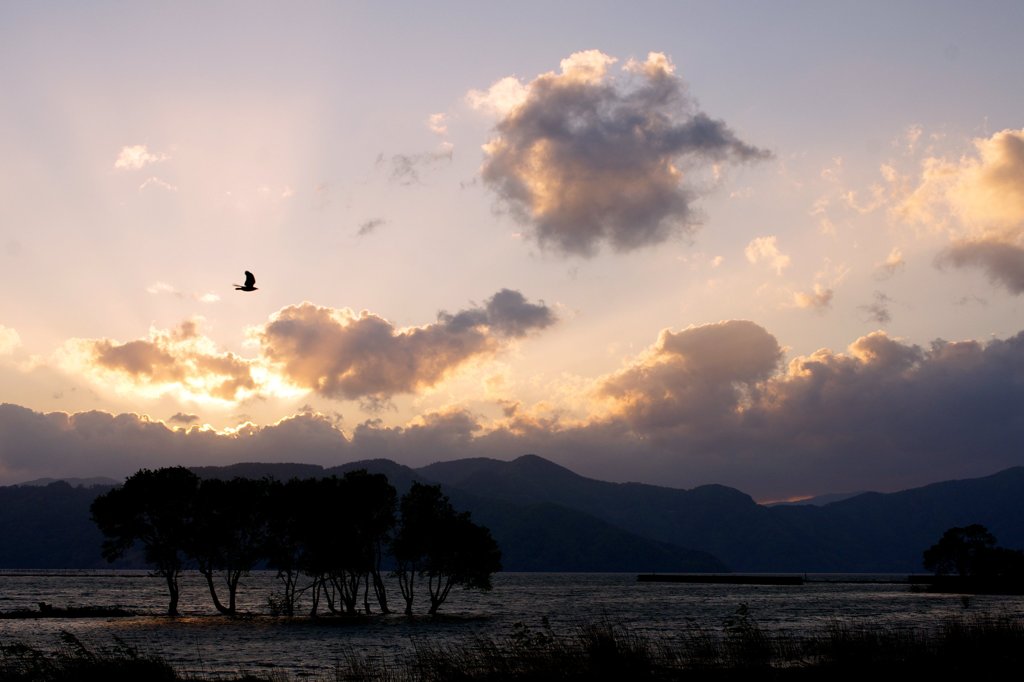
204	643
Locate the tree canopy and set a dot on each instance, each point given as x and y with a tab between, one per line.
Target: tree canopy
971	552
154	508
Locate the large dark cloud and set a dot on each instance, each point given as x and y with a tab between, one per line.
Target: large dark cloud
1003	262
340	354
587	159
58	444
693	376
703	405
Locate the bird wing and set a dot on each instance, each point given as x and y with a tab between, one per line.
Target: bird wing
250	279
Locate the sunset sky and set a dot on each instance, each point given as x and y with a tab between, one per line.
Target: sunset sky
777	246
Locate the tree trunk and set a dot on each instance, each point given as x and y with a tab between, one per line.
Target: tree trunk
223	610
406	583
316	597
233	578
173	590
439	592
380	591
366	594
289	578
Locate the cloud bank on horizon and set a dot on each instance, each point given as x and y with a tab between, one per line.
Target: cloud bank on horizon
670	275
707	404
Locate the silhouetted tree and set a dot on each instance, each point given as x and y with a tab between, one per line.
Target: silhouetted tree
371	505
286	538
228	533
326	552
153	508
959	550
418	510
444	546
346	562
465	555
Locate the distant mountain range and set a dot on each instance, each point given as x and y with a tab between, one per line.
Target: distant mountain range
547	518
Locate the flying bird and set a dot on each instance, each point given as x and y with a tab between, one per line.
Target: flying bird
250	280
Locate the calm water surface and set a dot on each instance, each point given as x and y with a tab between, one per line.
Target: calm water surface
202	642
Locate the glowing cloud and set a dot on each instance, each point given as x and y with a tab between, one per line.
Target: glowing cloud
136	157
157	183
694	375
438	124
340	354
179	362
985	193
819	298
766	250
9	340
586	158
892	264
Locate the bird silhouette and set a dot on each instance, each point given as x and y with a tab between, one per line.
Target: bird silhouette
250	280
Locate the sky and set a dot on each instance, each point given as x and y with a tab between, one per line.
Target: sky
775	246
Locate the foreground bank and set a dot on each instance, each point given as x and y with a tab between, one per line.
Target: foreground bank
603	651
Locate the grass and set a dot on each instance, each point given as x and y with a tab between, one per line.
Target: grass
72	661
605	651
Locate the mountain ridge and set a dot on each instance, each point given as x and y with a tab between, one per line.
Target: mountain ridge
551	518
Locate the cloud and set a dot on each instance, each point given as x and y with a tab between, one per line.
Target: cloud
884	414
369	226
156	182
158	288
985	191
1003	263
979	200
588	158
694	375
81	444
819	298
183	419
340	354
438	124
9	340
892	264
708	404
878	310
405	169
766	250
179	362
137	156
507	313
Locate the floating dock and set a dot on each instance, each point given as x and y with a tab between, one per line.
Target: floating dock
720	579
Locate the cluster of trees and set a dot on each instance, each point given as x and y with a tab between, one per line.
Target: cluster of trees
332	539
971	552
